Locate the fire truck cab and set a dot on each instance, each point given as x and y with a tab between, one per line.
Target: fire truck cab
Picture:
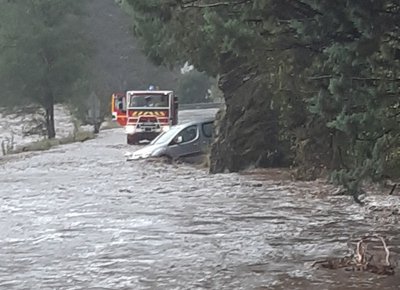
149	113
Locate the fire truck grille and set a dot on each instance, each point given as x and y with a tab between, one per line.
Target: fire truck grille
148	124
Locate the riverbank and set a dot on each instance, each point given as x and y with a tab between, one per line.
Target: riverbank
23	130
381	202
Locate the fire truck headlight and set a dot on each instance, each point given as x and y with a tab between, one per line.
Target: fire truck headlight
165	128
130	129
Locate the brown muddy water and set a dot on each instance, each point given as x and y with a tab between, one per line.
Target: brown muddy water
81	217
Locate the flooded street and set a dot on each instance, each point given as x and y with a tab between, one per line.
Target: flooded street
80	217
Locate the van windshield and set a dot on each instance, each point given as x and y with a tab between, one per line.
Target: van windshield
166	137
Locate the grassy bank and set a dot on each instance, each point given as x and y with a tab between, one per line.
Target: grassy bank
79	135
46	144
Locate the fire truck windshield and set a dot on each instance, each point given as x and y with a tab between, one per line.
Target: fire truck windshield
150	100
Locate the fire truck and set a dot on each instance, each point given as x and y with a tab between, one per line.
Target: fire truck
145	114
118	108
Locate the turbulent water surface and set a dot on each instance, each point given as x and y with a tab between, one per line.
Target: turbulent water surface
81	217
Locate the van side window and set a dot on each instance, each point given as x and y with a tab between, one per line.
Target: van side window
189	134
207	129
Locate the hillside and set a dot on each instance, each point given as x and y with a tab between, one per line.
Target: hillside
119	62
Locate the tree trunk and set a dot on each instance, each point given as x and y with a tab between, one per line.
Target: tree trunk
51	131
248	130
337	161
96	127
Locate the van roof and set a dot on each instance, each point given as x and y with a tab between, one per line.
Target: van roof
199	121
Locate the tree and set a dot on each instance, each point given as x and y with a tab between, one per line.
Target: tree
356	74
43	54
250	45
193	87
326	73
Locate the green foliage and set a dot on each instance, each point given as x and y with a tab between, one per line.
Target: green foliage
330	69
43	53
357	98
193	87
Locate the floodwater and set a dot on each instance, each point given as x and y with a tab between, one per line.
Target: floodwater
80	217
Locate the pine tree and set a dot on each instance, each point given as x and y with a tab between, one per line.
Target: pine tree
356	74
328	70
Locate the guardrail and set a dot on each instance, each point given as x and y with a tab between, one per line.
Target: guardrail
197	106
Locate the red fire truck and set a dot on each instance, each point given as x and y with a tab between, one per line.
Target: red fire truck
118	108
145	114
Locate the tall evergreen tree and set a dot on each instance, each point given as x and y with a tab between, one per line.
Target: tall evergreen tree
327	71
357	76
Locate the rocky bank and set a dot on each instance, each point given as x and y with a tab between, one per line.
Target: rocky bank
246	133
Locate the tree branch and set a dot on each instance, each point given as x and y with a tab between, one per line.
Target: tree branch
192	4
374	139
323	77
393	188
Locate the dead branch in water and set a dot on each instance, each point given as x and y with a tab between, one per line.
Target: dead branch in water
369	238
393	189
386	251
362	258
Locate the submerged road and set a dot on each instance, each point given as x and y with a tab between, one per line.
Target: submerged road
80	217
